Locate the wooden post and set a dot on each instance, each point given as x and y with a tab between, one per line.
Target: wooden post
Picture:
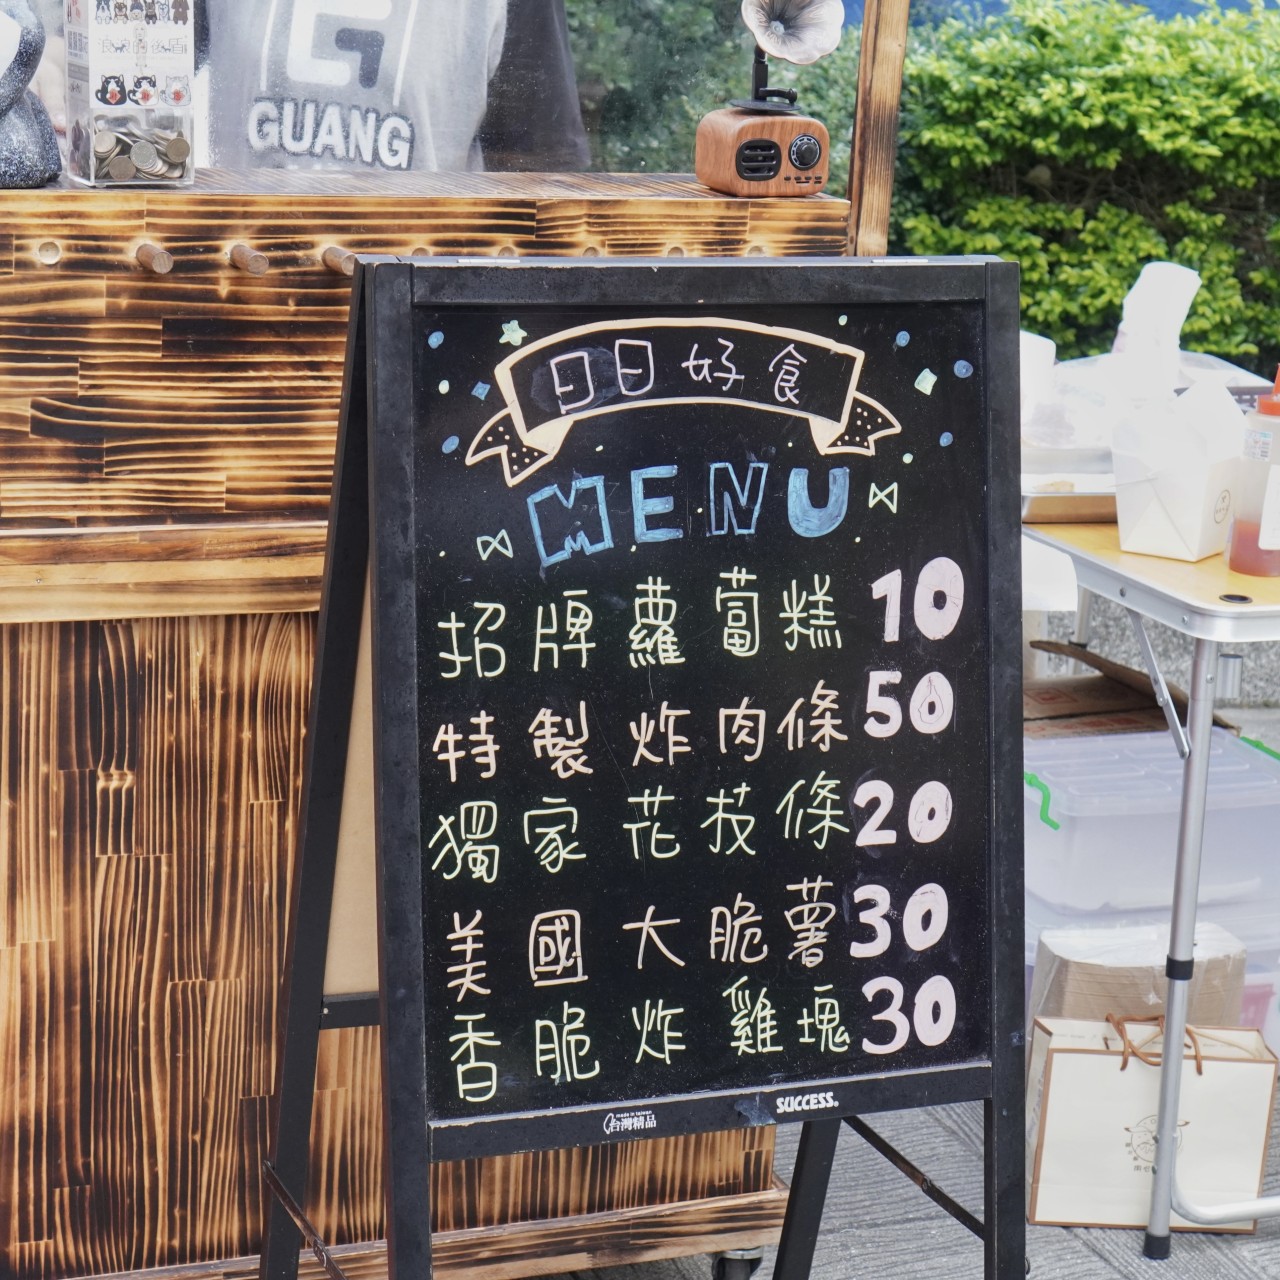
875	125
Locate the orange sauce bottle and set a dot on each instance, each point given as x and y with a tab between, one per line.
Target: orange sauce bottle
1253	545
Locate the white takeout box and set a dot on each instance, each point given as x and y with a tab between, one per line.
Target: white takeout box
1175	471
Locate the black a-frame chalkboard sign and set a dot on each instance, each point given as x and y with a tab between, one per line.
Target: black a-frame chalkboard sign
697	729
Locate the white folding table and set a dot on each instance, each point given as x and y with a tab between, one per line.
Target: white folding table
1213	606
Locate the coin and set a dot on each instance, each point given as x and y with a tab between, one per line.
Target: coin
105	144
144	155
177	149
122	169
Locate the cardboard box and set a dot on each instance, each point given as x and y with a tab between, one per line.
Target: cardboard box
130	68
1116	699
1090	973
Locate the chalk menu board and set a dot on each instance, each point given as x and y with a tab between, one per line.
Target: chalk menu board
684	645
694	603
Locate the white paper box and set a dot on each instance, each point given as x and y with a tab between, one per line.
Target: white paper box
1176	474
1091	1125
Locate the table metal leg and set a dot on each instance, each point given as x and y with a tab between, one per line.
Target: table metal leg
1182	931
1083	634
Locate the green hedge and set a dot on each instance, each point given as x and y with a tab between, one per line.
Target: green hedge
1085	138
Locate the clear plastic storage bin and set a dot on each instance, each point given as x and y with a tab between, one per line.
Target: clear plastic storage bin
1101	822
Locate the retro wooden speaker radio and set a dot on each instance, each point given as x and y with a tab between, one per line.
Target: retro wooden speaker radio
763	145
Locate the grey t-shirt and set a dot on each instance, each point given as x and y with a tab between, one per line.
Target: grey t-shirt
364	85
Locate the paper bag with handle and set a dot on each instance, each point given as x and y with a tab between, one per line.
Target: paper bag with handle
1092	1093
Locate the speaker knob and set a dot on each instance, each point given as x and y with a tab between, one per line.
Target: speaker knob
805	151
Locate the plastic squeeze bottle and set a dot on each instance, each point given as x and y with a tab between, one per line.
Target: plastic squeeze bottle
1254	542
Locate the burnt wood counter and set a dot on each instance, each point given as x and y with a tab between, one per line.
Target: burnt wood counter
166	442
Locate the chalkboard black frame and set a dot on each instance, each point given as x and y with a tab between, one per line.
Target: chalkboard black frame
375	522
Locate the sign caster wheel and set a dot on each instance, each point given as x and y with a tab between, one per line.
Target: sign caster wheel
736	1265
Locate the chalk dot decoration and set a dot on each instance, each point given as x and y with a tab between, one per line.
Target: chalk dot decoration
946	439
962	369
443	386
28	145
435	340
902	338
450	444
926	381
908	458
481	390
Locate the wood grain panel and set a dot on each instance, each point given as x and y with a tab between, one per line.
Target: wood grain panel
102	238
101	502
99	222
277	297
523	1250
154	571
582	226
129	1114
52	295
149	781
385	227
238	337
151	768
174	378
28	375
777	229
875	129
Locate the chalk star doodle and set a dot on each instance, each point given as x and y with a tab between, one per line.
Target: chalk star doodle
888	496
512	333
487	546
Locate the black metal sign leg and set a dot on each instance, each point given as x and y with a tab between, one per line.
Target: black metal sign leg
814	1157
1005	1236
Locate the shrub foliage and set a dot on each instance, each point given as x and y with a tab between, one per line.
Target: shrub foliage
1085	138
